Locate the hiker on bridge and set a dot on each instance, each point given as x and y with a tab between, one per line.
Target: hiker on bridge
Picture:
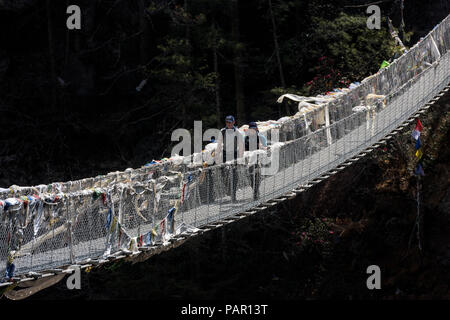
230	147
254	141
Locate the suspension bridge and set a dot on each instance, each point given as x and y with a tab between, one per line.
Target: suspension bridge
49	229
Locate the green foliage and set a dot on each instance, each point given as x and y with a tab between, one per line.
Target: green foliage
344	50
356	50
184	82
330	52
314	234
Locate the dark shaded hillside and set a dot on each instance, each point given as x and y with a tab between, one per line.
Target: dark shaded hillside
318	245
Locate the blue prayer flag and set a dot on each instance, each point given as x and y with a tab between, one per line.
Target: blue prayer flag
148	239
108	219
419	170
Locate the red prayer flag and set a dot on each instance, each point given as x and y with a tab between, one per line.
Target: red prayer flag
182	193
419	126
161	225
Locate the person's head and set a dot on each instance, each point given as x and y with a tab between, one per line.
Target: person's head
252	127
229	122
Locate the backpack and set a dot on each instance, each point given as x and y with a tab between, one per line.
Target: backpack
247	143
224	143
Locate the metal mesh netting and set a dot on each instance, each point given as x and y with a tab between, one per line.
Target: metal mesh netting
46	227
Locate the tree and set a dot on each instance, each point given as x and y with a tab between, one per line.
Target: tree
215	43
344	50
238	71
277	49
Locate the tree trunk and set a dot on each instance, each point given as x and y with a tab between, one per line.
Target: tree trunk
183	113
217	88
239	91
277	51
143	28
277	48
188	30
51	55
67	51
187	37
402	22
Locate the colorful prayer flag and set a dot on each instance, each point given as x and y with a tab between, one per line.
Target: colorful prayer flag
419	126
108	219
113	225
162	225
419	154
170	220
170	214
148	240
384	64
182	193
419	170
120	235
131	244
417	130
415	134
10	267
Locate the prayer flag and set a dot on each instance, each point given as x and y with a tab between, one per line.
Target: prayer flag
419	154
415	134
419	126
419	170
